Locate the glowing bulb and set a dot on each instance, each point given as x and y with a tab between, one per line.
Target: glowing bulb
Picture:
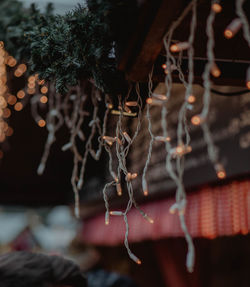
233	28
145	187
216	7
22	68
179	149
160	97
162	139
220	171
41	123
119	189
215	71
31	91
21	94
131	104
107	218
248	78
9	132
44	90
127	137
149	101
179	47
135	259
31	85
164	66
18	106
43	99
191	99
32	79
196	120
6	113
18	73
41	82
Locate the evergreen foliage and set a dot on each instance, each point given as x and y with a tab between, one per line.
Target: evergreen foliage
65	48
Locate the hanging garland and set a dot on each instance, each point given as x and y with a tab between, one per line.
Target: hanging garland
64	49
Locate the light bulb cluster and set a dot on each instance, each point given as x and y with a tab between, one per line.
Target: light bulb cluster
5	98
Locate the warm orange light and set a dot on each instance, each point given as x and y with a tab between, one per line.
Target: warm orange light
179	149
44	90
248	78
9	132
32	79
196	120
41	123
20	94
191	99
22	68
6	113
11	61
215	71
179	47
233	28
41	82
216	7
31	85
145	192
43	99
2	137
164	66
221	174
18	73
31	91
2	102
1	44
149	101
18	106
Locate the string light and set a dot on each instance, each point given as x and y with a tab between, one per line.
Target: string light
41	82
11	100
215	71
44	90
216	7
18	106
197	120
131	104
220	171
162	139
43	99
118	189
191	99
233	28
20	94
41	123
127	137
179	47
248	78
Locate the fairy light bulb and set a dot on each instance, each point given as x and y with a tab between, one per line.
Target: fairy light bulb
41	82
20	94
18	106
164	66
41	123
135	259
131	104
248	78
43	99
145	187
179	47
31	79
220	171
216	7
6	113
44	90
215	71
196	120
191	99
107	218
233	28
118	189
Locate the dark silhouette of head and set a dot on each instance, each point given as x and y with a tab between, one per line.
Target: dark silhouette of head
24	269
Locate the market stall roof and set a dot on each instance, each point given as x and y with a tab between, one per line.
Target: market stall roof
211	212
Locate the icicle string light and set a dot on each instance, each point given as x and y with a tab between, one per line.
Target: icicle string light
244	21
149	154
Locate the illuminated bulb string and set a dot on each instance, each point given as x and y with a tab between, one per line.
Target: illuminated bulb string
243	18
